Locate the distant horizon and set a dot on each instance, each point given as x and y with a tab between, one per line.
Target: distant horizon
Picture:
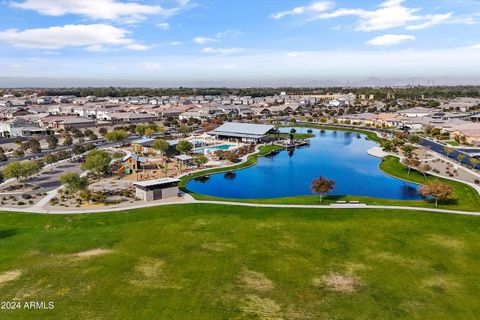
373	82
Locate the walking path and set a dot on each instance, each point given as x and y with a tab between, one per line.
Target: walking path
188	199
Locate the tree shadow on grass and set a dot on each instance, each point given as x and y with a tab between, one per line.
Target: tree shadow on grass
7	233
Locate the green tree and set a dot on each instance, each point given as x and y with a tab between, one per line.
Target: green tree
50	158
322	185
117	135
20	170
412	138
448	150
149	132
67	140
200	160
140	129
97	162
72	182
460	157
184	129
407	150
52	142
161	145
34	145
184	146
474	162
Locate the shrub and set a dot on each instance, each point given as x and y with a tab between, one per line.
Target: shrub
477	181
20	203
26	196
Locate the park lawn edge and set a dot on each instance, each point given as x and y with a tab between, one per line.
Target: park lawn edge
468	198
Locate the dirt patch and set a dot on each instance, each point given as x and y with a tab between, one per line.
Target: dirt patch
151	273
262	308
288	241
338	282
217	246
9	276
200	223
91	253
150	267
440	283
293	313
399	259
447	242
256	281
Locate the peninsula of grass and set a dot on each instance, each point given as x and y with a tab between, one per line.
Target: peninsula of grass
453	143
202	261
371	135
251	160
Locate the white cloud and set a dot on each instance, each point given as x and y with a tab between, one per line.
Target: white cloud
319	6
222	51
164	25
432	21
389	14
204	40
175	43
127	11
93	37
228	34
217	37
390	40
136	46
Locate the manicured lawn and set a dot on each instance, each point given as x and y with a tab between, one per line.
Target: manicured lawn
298	136
453	143
371	135
251	160
219	262
467	199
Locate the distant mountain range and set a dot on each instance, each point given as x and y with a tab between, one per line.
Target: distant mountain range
18	82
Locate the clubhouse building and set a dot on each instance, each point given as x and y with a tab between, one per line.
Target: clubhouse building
245	132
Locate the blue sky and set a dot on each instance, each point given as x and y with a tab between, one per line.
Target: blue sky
233	40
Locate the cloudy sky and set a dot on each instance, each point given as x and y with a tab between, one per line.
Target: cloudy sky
229	40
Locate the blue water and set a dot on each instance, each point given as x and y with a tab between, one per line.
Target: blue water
341	156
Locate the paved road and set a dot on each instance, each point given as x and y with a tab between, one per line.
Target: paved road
101	143
48	179
438	147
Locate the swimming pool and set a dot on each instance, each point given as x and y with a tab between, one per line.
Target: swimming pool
215	148
338	155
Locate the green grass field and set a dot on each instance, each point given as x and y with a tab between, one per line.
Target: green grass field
219	262
453	143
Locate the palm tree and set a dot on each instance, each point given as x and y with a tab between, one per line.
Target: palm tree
474	162
448	150
322	185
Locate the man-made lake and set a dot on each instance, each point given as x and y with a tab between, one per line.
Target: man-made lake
338	155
